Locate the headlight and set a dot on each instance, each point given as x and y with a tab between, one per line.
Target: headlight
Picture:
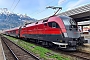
65	34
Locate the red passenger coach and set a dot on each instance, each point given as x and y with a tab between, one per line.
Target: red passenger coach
13	32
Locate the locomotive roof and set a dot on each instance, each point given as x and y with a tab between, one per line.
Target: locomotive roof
65	17
43	21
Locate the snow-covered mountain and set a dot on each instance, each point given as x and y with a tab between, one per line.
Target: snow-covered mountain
12	20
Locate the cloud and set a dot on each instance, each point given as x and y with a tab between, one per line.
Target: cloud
61	1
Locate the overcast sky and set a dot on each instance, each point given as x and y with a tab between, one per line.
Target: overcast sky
37	8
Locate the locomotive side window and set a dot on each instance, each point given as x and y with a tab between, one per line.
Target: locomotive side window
53	24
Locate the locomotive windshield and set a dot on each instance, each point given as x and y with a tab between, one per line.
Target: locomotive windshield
72	22
68	22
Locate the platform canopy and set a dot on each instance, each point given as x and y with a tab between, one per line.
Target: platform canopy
79	14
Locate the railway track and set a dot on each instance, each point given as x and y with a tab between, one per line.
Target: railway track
81	55
78	54
17	52
7	52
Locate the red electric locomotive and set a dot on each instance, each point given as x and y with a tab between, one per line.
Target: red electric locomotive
59	30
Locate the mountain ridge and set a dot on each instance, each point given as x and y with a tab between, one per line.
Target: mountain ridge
12	20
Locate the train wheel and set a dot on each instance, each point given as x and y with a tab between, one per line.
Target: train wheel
44	43
37	41
47	44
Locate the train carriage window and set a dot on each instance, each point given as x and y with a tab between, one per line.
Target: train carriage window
14	31
53	24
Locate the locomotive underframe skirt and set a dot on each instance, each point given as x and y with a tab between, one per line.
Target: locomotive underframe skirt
57	39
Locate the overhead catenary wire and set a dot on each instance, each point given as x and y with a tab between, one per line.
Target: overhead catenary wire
43	9
12	4
13	9
16	5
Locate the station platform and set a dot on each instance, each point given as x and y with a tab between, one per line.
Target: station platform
2	55
87	37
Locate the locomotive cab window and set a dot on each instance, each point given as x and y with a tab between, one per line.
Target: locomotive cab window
53	24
